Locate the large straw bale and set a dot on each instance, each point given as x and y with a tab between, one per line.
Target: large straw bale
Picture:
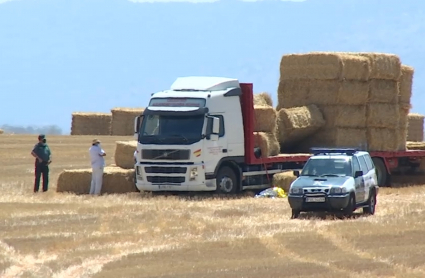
330	92
1	131
263	98
353	116
406	82
383	65
415	130
91	123
383	139
284	180
124	154
420	146
381	115
264	118
123	120
115	180
292	93
384	91
267	142
353	92
335	138
324	66
296	123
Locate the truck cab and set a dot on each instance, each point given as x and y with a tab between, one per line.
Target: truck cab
335	180
190	136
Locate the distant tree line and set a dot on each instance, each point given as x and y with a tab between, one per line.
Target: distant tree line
48	129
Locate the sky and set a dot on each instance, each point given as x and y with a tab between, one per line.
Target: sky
59	56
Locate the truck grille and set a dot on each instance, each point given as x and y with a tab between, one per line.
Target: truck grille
166	154
165	170
162	179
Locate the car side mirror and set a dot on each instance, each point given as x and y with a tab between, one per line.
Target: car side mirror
358	174
296	173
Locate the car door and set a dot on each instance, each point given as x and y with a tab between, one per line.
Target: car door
370	177
365	169
358	182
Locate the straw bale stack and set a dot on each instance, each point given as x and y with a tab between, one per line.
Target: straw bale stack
264	119
91	123
383	139
123	120
406	82
352	116
115	180
381	115
419	146
415	131
1	131
294	124
284	180
267	142
382	65
124	154
384	91
263	99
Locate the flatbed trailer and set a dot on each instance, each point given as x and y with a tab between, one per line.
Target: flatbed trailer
386	163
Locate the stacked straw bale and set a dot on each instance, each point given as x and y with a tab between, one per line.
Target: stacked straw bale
284	180
405	88
415	146
265	128
123	120
124	154
358	94
415	132
1	131
91	123
115	180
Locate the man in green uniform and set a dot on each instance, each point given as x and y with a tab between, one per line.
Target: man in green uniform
42	155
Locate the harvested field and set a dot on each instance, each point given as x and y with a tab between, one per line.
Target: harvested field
415	129
267	142
324	66
264	119
284	180
124	154
264	99
352	116
380	115
406	82
384	91
295	124
123	120
91	123
132	235
115	180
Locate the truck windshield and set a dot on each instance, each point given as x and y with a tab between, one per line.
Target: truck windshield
327	167
182	130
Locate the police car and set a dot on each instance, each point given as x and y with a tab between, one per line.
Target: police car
335	180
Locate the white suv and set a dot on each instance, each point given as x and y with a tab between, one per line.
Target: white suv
335	180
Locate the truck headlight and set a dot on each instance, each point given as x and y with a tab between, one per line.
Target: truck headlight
139	172
296	191
338	190
193	173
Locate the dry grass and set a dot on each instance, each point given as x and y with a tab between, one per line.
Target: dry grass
65	235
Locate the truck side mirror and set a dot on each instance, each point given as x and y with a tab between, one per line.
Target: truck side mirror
358	174
213	128
296	173
137	124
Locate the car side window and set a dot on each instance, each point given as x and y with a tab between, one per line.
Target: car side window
356	165
363	164
209	125
369	162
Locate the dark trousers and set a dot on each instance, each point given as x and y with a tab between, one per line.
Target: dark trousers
41	169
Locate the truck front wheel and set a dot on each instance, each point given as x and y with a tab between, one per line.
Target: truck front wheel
226	180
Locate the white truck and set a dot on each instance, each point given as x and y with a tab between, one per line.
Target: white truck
199	136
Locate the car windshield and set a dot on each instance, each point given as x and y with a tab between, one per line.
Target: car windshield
327	167
160	129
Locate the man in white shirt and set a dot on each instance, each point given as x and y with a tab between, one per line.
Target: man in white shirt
97	165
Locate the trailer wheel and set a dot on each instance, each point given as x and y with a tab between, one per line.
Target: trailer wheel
226	180
381	171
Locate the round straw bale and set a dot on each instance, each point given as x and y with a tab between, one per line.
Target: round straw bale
415	145
384	91
294	124
124	154
324	66
123	120
383	65
353	116
406	82
267	142
264	99
91	123
264	118
381	115
284	180
383	139
115	180
415	129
